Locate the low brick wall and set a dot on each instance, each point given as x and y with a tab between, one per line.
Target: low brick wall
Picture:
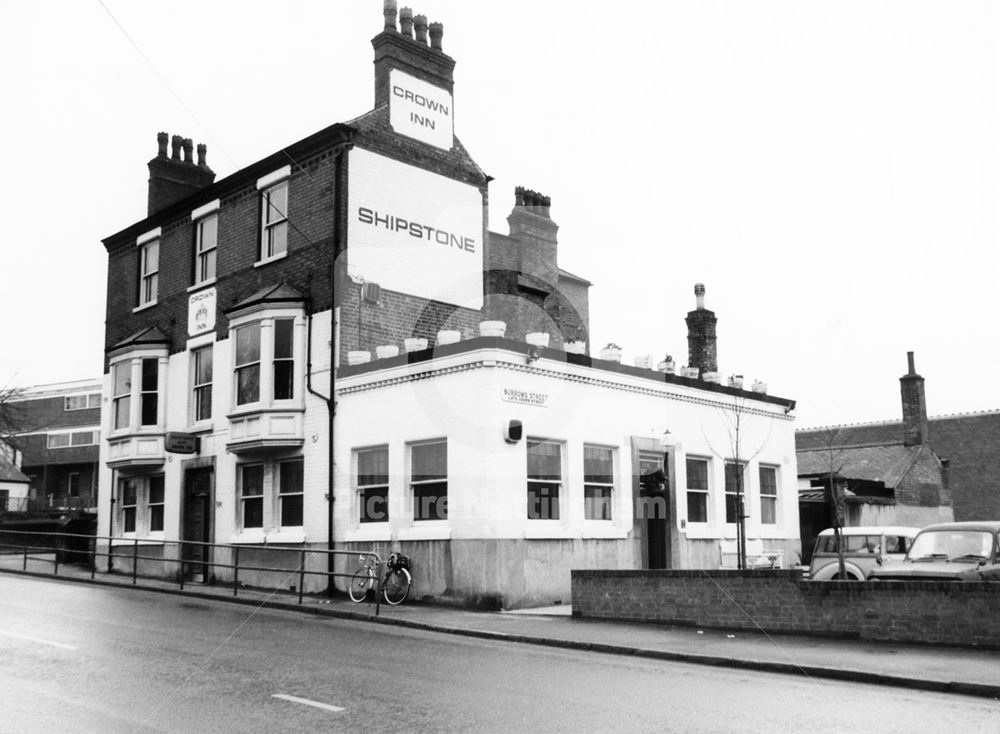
934	612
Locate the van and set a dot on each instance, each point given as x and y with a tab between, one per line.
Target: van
865	549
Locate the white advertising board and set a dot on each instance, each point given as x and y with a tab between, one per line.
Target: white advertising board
201	312
413	231
420	110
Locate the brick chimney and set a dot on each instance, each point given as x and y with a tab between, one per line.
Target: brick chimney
701	335
911	387
173	178
535	231
399	48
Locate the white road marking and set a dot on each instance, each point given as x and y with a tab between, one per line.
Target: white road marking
307	702
39	640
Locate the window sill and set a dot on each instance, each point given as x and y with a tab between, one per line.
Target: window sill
369	534
132	540
290	535
425	531
548	529
143	307
268	261
248	537
203	284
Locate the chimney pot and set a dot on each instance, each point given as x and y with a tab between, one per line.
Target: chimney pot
202	150
161	143
188	150
437	32
699	293
909	361
420	23
389	12
406	22
175	147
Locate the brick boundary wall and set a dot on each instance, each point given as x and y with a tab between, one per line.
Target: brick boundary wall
932	612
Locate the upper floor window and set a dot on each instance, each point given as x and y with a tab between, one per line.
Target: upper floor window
248	363
254	342
373	484
274	221
121	394
135	393
544	479
768	495
598	482
201	382
81	402
75	438
206	237
429	480
697	490
149	269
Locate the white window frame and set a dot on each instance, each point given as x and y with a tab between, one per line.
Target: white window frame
90	400
267	185
152	506
141	508
74	439
281	495
705	494
149	273
242	498
124	507
202	392
205	253
561	507
608	486
360	489
265	319
771	498
131	365
413	484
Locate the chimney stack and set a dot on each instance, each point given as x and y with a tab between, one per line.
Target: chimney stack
172	179
398	49
911	387
702	350
536	235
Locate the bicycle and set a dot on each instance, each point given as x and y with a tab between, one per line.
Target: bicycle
395	583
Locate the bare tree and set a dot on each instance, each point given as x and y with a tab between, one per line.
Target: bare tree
737	418
14	417
835	492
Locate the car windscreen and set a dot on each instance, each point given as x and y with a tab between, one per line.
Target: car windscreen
951	544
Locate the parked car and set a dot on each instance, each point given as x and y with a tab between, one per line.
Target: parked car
952	551
865	548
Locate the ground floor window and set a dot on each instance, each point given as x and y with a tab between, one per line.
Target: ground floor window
544	479
768	495
372	481
271	495
429	480
290	493
155	503
140	505
598	482
697	490
252	496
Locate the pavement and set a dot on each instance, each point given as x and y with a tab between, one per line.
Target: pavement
966	671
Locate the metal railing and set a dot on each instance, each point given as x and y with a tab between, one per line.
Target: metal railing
74	548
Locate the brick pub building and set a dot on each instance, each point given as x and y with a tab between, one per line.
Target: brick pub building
347	343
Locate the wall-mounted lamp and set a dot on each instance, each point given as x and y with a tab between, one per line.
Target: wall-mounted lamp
512	431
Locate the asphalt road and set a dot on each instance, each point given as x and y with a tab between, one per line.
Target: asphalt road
77	658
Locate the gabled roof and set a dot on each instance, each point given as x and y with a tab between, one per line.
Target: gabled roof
147	336
886	464
10	473
272	294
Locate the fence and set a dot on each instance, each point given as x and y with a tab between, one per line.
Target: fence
189	555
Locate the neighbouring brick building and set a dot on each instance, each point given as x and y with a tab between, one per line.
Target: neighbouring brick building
911	472
244	409
57	448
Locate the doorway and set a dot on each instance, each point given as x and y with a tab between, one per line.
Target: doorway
197	528
654	498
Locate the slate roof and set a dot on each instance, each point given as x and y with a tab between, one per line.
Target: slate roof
280	293
10	473
146	335
886	464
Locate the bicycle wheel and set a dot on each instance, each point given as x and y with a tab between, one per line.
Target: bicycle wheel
360	583
396	586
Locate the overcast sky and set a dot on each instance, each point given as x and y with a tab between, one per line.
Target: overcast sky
829	169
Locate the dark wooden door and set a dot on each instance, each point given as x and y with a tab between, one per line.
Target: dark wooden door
653	491
197	523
